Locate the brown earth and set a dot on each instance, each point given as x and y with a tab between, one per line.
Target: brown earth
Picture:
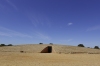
48	59
64	56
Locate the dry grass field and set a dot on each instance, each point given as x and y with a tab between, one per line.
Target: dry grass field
48	59
37	48
11	56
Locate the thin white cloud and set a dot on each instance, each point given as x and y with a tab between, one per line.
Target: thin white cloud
12	4
39	20
34	21
4	34
93	28
42	36
11	33
70	24
68	40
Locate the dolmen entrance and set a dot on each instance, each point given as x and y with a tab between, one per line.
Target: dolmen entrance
48	49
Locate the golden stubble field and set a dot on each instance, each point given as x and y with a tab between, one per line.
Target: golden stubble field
48	59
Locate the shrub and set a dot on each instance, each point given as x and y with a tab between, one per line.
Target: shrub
2	45
88	47
21	51
59	52
81	45
51	43
96	47
40	43
10	45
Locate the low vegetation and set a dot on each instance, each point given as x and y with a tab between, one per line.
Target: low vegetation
22	51
2	45
51	43
81	45
10	45
96	47
40	43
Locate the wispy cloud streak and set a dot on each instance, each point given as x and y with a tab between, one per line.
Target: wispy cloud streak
42	36
67	40
34	21
94	28
12	4
39	20
69	24
11	33
4	34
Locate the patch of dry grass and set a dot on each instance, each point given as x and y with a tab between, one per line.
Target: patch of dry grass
36	48
48	59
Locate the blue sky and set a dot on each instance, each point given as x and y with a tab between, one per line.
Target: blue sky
69	22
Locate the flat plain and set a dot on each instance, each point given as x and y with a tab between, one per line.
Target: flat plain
48	59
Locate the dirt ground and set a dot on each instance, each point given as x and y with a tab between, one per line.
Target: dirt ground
48	59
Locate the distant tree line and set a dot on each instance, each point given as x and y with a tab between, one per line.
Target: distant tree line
96	47
1	45
49	43
81	45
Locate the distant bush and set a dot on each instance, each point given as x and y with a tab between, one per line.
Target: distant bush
9	45
51	43
88	47
81	45
96	47
40	43
59	52
22	51
2	45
